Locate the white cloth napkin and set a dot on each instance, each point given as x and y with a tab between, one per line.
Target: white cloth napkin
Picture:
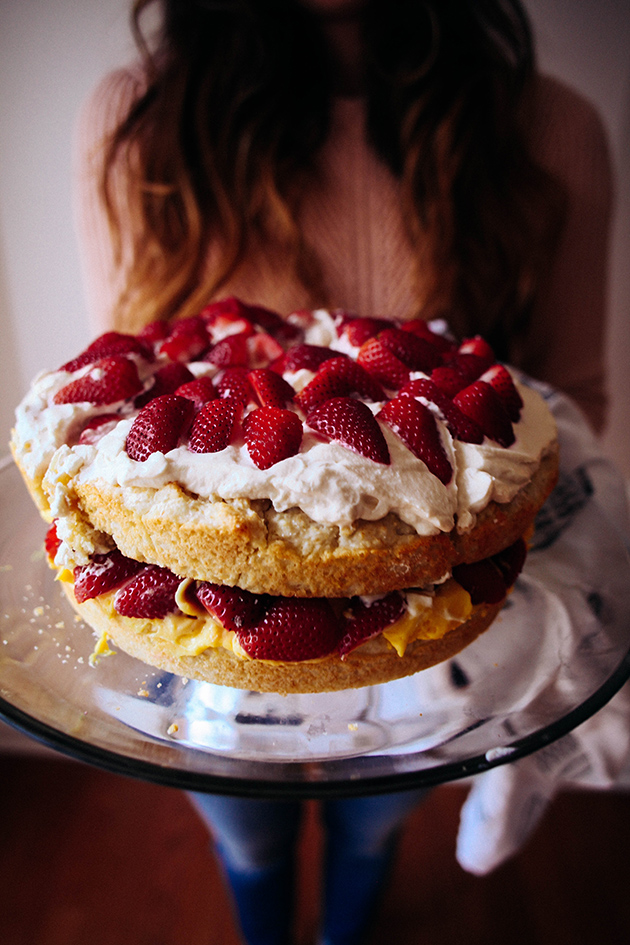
577	575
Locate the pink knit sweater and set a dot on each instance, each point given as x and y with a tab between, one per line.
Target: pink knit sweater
353	219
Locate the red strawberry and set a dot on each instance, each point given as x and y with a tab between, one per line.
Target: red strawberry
159	426
366	621
200	391
483	581
415	352
460	426
272	434
483	405
272	323
384	366
234	308
214	426
306	356
415	425
293	629
339	377
104	573
107	382
225	325
231	351
479	347
419	327
166	380
359	330
351	423
448	379
233	607
500	379
187	340
471	366
510	561
270	388
223	308
149	595
233	383
96	428
263	350
154	332
52	541
107	346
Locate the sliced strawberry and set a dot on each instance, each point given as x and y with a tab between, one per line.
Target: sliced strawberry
149	595
460	426
225	325
187	340
415	352
365	621
233	607
272	434
262	350
351	423
104	573
233	383
500	379
166	380
359	330
510	561
107	382
215	425
96	428
272	323
270	388
293	629
384	366
155	332
200	391
479	347
448	379
471	366
52	541
415	425
159	426
419	327
230	307
483	405
231	351
339	377
106	346
310	357
483	581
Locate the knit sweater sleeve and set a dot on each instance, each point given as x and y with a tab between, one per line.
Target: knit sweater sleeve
103	274
566	345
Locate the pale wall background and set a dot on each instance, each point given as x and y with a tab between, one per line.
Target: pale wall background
52	52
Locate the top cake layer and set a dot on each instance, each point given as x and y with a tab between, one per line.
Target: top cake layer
432	455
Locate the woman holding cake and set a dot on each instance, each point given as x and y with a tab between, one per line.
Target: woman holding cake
390	159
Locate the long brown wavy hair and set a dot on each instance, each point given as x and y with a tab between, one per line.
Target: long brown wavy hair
218	148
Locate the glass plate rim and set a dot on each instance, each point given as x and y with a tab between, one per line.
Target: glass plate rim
118	763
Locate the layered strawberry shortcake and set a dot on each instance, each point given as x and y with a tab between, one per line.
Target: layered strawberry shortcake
298	505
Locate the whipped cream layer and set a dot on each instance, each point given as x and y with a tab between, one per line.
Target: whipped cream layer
329	482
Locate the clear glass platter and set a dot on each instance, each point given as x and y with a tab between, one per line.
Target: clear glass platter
517	688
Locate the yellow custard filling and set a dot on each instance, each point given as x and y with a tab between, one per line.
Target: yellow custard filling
428	617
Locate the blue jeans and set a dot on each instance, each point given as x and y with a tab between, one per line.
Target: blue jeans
256	843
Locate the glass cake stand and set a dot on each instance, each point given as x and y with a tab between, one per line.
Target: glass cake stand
506	695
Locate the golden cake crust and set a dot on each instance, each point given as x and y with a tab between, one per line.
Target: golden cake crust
249	545
372	663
